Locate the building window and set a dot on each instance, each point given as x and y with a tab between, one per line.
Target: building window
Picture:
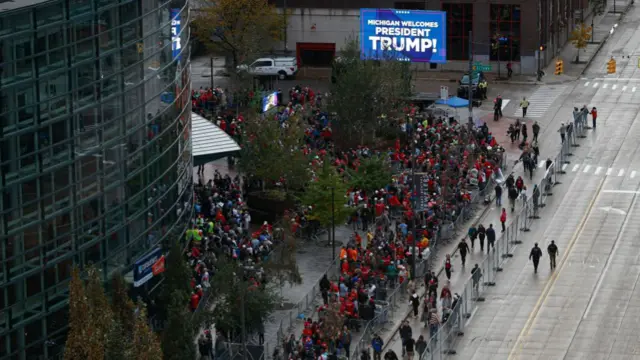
504	29
408	5
459	23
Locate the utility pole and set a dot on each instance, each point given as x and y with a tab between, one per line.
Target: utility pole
470	81
333	225
286	25
211	65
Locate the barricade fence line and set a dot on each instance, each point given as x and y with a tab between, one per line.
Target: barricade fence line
444	338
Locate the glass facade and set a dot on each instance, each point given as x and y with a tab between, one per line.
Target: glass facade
95	151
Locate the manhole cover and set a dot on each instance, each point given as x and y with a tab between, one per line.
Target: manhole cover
287	306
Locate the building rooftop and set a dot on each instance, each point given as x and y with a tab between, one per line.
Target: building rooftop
6	5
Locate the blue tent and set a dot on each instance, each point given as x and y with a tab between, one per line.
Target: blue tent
454	102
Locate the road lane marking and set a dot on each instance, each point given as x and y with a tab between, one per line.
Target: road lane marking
598	170
621	191
586	84
624	88
604	86
607	264
614	87
633	174
609	170
575	167
564	166
595	85
586	168
621	172
517	347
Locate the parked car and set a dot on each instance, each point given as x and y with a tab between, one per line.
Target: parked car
283	67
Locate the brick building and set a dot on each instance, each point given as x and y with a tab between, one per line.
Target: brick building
316	30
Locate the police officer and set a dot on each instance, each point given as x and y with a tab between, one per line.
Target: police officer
552	250
463	248
535	255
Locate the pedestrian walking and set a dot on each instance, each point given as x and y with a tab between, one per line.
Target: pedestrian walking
498	190
391	355
345	339
535	256
562	131
463	248
476	275
325	286
535	128
594	116
517	128
405	333
552	250
377	344
509	69
525	134
410	348
434	322
503	218
447	266
421	346
414	301
524	104
499	104
473	233
482	232
513	195
491	237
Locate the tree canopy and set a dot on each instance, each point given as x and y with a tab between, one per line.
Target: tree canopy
272	153
374	173
363	90
101	329
318	196
241	29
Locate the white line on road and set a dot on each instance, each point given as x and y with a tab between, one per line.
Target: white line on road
598	170
621	191
609	170
624	88
614	87
604	86
621	172
586	168
575	167
595	85
586	84
633	174
564	166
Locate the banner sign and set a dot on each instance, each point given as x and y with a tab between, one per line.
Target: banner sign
405	35
147	266
176	46
420	183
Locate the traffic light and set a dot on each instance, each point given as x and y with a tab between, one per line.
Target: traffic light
559	67
611	66
140	47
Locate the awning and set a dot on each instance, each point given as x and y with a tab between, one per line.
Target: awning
209	142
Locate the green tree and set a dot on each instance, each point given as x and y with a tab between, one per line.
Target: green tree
271	152
362	91
374	173
181	326
282	265
241	29
326	194
236	292
580	38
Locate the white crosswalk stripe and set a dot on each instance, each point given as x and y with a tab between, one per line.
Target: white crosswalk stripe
587	168
599	171
633	174
633	89
624	88
609	170
605	85
595	85
587	83
564	166
611	87
575	168
541	100
621	172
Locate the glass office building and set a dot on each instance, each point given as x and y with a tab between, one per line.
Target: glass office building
95	150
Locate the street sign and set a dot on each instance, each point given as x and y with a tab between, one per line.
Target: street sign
478	66
444	92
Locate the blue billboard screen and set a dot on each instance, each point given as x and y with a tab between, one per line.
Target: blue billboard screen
405	35
176	46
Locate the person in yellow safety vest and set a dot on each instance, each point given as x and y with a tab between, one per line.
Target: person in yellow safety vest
189	234
197	236
369	237
211	227
483	89
200	221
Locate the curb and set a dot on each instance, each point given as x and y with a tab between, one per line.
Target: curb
396	328
603	41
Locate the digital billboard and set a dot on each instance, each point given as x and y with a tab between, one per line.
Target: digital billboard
269	102
405	35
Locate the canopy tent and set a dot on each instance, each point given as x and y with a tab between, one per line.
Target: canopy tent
454	102
209	142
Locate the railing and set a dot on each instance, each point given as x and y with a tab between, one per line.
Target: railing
445	336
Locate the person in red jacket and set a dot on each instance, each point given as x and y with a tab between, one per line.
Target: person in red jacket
195	300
